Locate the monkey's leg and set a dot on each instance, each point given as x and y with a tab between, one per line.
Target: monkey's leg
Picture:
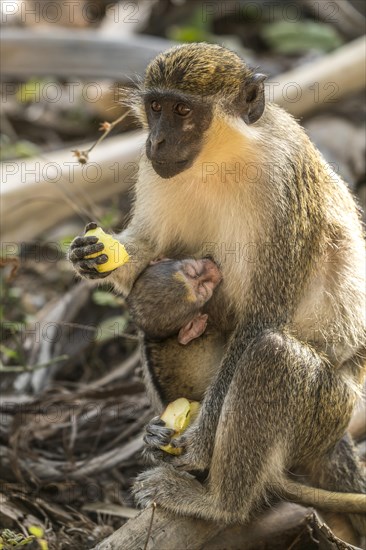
284	403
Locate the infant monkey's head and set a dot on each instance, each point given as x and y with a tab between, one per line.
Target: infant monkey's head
168	297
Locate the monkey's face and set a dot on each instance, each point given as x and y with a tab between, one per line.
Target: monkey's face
177	123
200	277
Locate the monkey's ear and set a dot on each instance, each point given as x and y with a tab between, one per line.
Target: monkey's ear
253	93
193	329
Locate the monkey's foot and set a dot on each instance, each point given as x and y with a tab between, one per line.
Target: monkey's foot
168	488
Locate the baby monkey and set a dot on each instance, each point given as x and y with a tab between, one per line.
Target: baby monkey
168	301
168	298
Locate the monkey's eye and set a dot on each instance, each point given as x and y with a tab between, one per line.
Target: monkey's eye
182	109
155	106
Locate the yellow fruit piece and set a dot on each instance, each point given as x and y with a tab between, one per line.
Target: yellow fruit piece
116	252
177	416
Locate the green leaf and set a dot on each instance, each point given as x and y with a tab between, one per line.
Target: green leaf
65	242
9	539
295	37
187	34
111	328
194	29
111	218
13	326
104	298
16	292
20	149
8	352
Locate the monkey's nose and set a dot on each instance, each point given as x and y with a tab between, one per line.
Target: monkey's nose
155	144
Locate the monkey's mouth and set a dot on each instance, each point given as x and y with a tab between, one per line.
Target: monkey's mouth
168	168
169	162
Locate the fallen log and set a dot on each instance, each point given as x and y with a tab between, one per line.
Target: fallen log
26	52
38	193
162	531
316	85
278	528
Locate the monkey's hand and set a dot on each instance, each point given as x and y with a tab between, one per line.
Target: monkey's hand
196	455
84	246
157	435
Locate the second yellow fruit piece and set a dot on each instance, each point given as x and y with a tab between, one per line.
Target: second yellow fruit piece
177	416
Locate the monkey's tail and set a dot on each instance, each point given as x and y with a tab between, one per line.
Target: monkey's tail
321	498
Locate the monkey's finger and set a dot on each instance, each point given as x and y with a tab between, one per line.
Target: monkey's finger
83	241
89	226
180	442
157	440
92	262
159	430
157	421
155	429
80	252
102	259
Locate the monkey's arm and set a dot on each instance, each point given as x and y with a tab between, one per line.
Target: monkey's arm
140	248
